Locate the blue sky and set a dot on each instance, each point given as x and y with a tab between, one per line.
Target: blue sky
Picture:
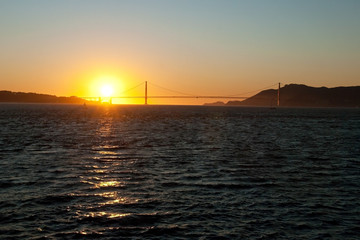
229	46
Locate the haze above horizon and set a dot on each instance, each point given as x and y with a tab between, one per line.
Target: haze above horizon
200	47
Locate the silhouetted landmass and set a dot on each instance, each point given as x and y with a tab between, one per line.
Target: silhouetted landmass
295	95
219	103
7	96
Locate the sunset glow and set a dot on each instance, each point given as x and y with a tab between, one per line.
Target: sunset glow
202	48
107	91
105	86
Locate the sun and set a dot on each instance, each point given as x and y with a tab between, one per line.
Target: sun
106	90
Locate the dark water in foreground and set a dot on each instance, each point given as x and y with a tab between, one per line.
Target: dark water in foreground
176	172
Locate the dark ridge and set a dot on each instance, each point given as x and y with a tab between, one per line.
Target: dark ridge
219	103
8	96
297	95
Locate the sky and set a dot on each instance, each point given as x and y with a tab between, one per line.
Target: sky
197	47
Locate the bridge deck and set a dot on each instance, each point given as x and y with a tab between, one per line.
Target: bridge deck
223	97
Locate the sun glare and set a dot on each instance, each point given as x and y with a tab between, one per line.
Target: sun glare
107	90
108	87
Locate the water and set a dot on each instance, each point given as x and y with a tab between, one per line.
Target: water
178	172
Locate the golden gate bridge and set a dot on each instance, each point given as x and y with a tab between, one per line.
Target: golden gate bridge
183	95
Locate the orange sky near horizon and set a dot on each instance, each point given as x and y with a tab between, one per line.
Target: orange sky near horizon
69	48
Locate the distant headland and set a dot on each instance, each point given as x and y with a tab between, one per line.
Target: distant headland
298	95
8	96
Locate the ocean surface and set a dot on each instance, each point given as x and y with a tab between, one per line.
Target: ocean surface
178	172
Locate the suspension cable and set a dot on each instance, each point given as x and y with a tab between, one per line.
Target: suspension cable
182	93
132	88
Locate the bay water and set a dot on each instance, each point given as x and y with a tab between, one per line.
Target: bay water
178	172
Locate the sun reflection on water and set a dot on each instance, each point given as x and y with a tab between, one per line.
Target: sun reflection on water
96	209
109	184
103	174
106	214
107	153
103	184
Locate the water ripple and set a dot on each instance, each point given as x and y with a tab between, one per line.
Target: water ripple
178	172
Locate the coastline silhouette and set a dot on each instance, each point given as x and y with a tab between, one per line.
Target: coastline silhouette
292	95
298	95
21	97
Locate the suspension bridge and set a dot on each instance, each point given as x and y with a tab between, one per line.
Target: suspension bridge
180	95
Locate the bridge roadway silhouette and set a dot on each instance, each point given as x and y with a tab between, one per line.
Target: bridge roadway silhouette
184	95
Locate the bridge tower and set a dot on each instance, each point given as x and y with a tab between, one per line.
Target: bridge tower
278	96
146	96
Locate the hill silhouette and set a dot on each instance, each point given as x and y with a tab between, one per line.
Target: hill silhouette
298	95
8	96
